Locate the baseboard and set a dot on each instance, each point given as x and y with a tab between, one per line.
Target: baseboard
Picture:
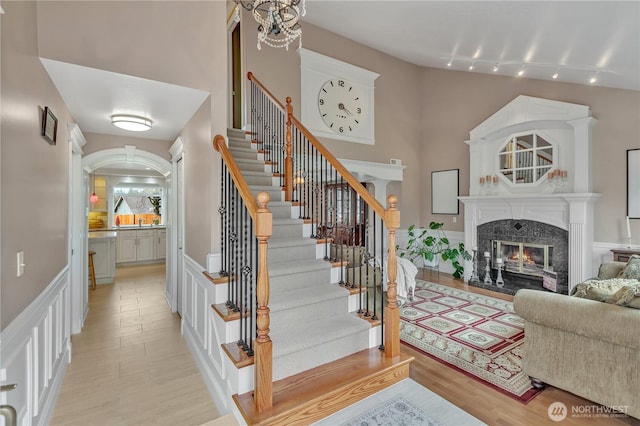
35	352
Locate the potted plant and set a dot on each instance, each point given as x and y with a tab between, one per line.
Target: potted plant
433	246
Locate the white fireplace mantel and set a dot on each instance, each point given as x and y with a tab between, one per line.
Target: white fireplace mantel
569	211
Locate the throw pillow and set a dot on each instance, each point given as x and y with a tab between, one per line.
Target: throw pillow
632	270
599	290
628	295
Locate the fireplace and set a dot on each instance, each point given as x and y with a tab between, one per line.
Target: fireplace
512	154
523	258
534	254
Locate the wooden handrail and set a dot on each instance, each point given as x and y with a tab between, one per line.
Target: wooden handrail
275	100
245	192
346	174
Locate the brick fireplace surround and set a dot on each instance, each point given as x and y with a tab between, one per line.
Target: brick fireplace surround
567	127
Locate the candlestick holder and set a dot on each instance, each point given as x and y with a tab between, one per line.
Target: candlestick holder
499	280
474	273
487	269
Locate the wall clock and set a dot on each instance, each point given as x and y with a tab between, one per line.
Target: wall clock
337	98
340	105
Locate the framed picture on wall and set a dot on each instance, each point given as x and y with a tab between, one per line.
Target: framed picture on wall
49	126
444	192
633	183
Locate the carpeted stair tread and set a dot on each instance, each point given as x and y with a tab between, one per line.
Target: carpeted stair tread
280	221
315	333
281	300
297	266
277	242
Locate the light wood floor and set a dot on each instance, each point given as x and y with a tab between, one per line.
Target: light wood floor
481	401
130	365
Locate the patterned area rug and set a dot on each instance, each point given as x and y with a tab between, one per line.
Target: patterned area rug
478	335
397	411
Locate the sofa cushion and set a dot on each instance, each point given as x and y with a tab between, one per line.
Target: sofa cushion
600	290
632	269
610	269
628	295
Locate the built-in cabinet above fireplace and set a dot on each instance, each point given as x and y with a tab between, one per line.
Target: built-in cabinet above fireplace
531	161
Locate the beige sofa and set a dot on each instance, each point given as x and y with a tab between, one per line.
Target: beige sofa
586	347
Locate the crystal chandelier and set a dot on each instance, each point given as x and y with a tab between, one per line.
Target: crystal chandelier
277	20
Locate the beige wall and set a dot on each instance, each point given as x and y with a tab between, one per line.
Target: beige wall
454	102
201	214
397	102
98	142
169	41
178	42
35	175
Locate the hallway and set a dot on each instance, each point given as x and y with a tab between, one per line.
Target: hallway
130	365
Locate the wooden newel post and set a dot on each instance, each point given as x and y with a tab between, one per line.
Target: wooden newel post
392	313
263	351
288	161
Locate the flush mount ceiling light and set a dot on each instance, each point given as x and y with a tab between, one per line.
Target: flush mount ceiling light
132	123
277	20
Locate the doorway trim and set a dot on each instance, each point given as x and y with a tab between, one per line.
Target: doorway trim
176	223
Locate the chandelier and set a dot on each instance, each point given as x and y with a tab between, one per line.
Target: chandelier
277	20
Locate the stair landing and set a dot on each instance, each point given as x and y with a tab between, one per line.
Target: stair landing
317	393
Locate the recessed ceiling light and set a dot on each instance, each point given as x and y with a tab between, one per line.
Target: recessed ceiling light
521	73
132	123
471	67
593	80
555	75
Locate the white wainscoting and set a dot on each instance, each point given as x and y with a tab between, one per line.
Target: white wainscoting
204	336
35	352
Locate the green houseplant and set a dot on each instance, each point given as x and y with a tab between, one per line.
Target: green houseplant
433	246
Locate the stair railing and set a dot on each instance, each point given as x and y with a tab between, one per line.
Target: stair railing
356	231
246	225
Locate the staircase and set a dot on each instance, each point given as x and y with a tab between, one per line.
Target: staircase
325	355
310	321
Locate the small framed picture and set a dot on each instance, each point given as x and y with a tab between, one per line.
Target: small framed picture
49	126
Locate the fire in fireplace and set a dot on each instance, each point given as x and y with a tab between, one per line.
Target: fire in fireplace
523	258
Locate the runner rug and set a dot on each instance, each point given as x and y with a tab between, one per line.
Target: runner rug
476	334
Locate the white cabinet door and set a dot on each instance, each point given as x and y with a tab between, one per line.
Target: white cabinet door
126	250
145	245
161	243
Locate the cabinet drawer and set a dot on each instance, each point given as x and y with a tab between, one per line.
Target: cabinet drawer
144	233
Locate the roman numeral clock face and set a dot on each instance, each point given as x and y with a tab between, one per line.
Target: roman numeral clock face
341	106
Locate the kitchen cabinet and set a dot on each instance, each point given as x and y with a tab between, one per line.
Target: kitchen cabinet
135	246
161	243
104	261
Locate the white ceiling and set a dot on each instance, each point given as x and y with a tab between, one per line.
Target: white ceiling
94	95
579	37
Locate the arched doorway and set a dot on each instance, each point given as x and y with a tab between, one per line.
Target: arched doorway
128	155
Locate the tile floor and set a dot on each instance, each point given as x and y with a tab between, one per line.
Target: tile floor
130	365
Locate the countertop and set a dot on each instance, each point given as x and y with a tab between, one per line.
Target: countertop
102	234
129	228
